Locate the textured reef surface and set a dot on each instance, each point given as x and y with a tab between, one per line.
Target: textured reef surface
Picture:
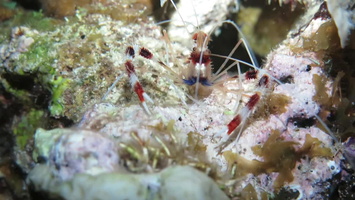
75	129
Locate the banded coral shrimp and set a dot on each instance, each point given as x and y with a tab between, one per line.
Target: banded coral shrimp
250	121
197	73
263	77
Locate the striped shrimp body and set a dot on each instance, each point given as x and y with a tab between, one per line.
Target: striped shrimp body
206	86
229	110
199	70
198	76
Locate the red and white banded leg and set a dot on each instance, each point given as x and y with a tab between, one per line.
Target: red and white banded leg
235	127
133	79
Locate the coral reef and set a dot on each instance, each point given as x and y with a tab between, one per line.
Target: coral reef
62	65
284	146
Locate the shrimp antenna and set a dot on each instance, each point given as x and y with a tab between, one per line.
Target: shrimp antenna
245	42
163	22
193	7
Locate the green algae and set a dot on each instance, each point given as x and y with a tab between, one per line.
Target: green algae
26	127
22	95
34	20
79	55
59	85
37	59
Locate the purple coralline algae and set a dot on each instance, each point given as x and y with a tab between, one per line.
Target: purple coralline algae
116	150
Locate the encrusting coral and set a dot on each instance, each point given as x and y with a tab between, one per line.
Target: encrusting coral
283	145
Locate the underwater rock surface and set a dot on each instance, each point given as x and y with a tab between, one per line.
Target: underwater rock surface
176	182
175	152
